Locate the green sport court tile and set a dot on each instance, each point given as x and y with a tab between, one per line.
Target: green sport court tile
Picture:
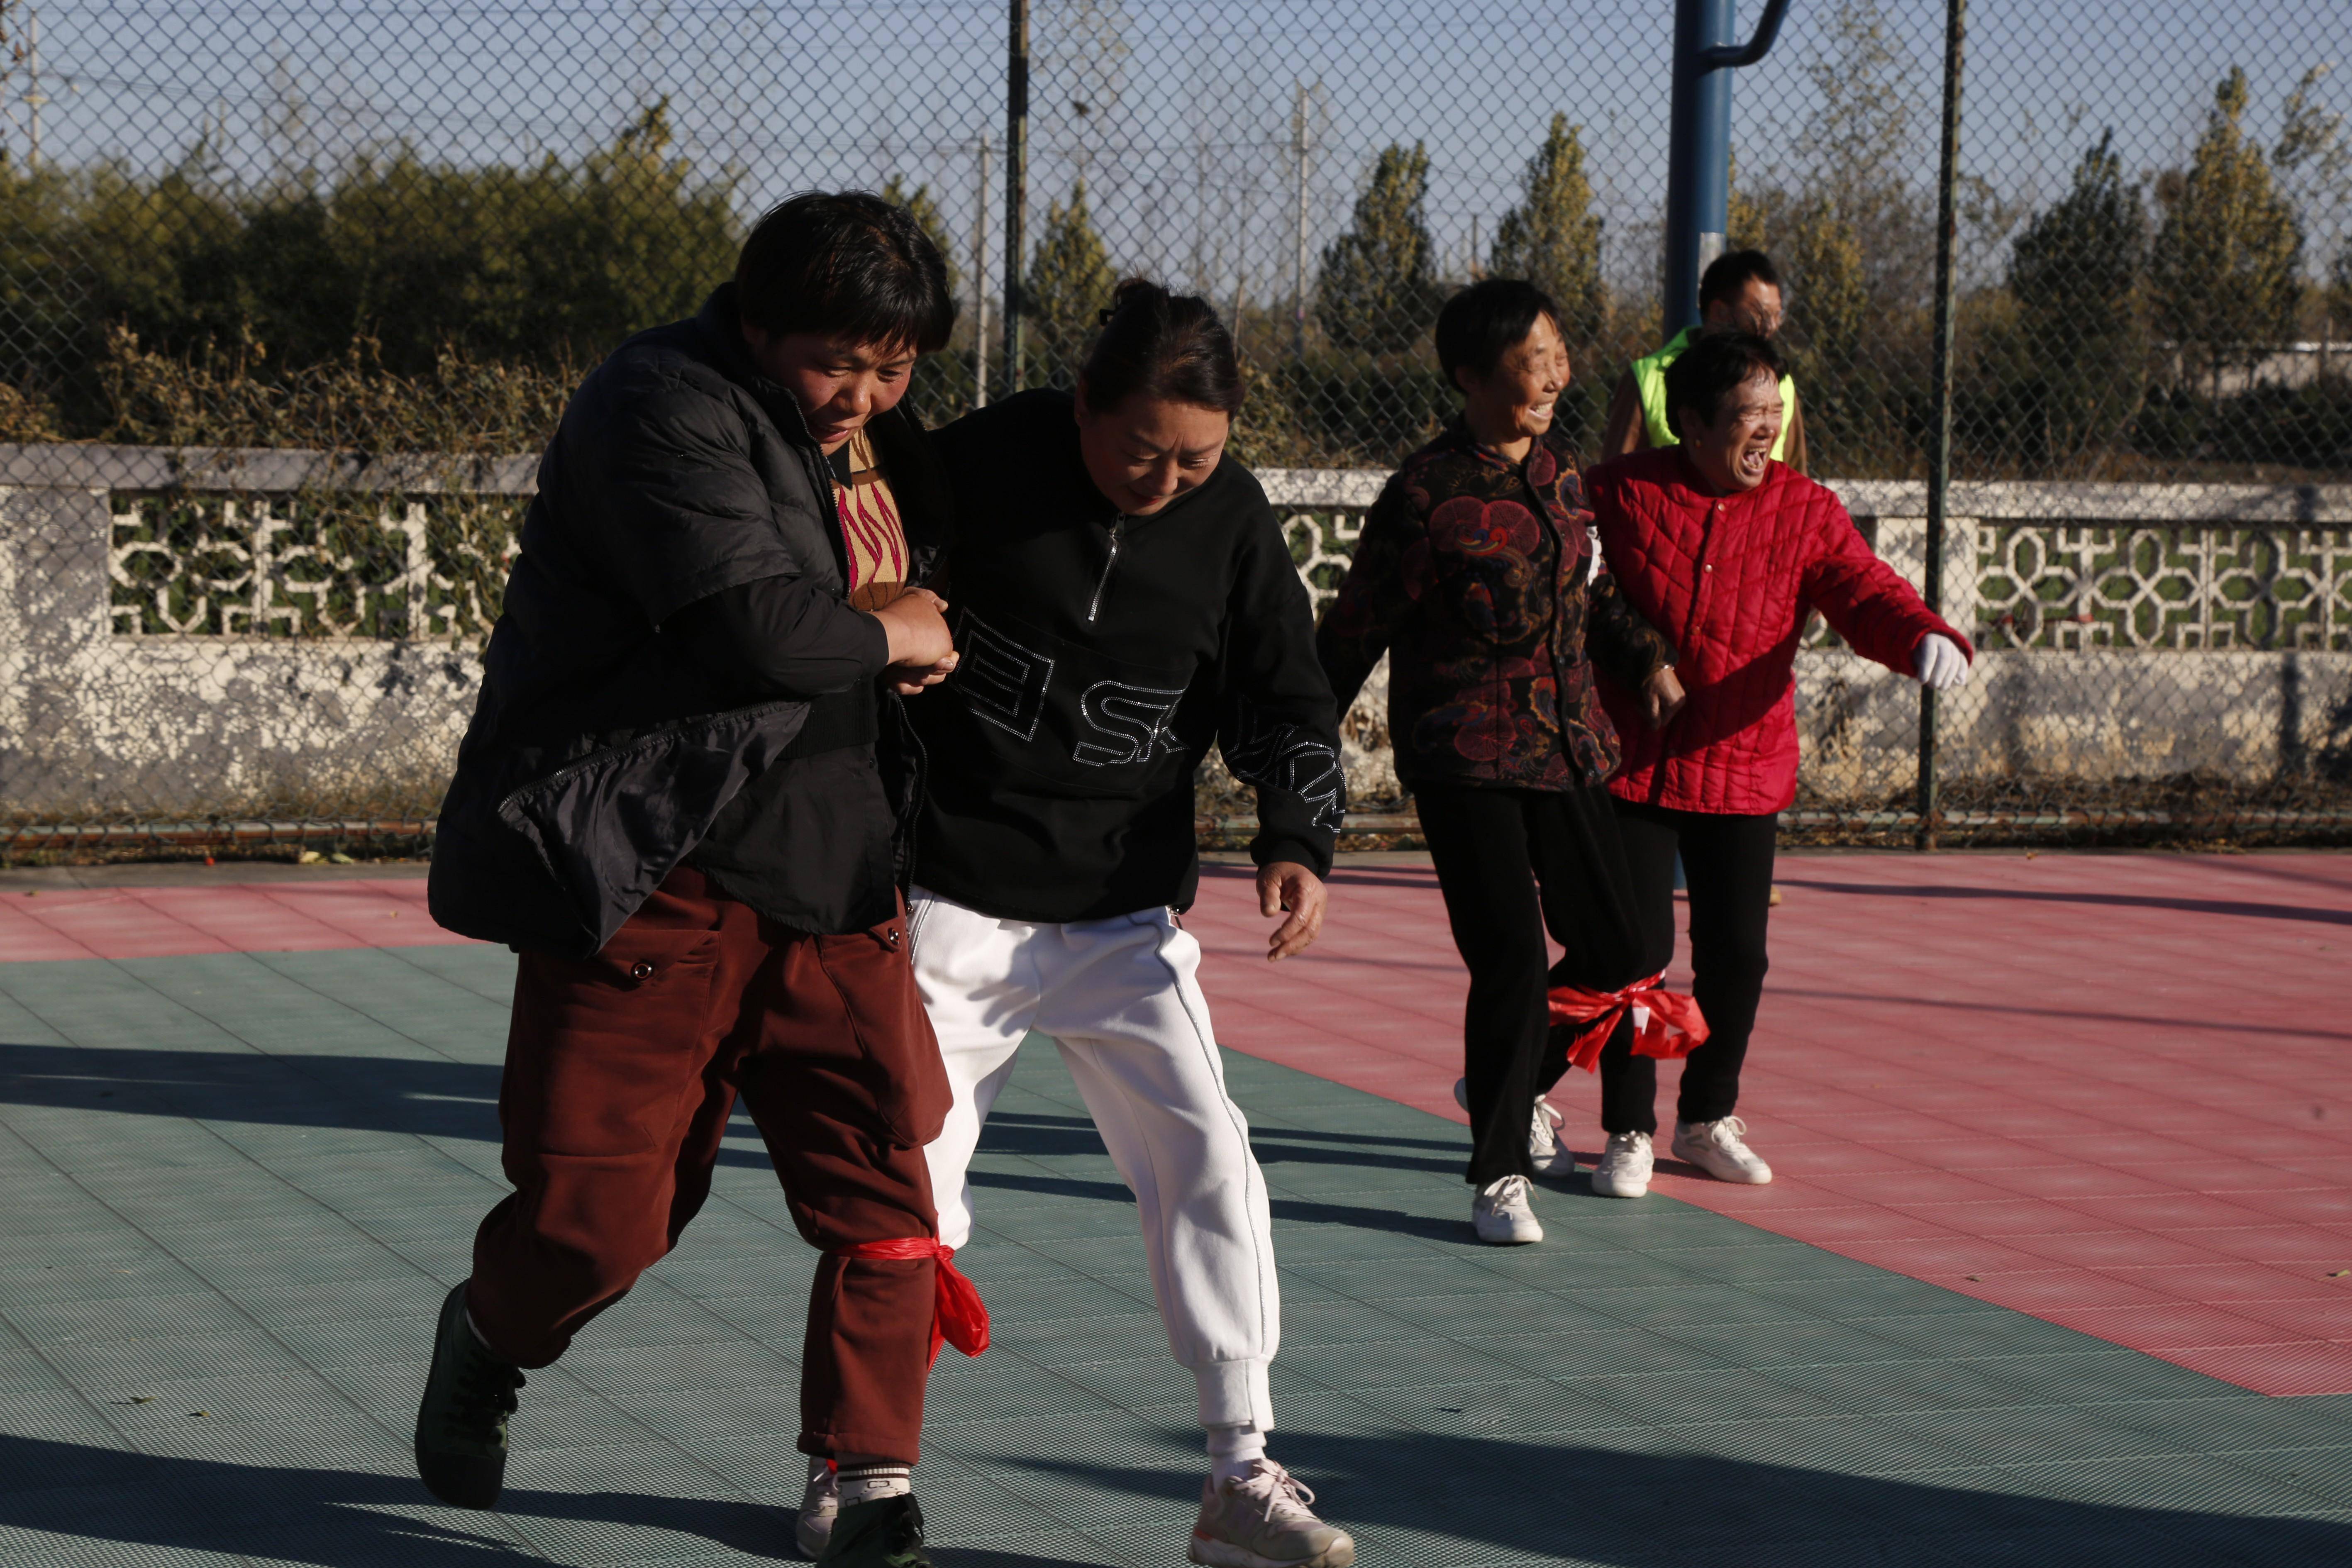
1595	1353
298	1147
1523	1407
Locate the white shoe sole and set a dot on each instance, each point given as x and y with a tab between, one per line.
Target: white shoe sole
1617	1190
1341	1553
1511	1239
1733	1174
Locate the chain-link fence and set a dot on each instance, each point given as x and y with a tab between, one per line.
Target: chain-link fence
343	230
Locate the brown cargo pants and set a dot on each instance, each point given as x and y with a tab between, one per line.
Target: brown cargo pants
621	1073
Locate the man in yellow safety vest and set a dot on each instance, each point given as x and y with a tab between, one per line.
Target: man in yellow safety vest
1741	291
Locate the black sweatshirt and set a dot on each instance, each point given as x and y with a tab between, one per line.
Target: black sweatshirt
1100	656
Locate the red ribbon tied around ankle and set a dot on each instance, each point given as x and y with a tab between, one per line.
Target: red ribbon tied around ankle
959	1317
1665	1024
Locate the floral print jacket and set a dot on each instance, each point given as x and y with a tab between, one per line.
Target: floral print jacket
1477	577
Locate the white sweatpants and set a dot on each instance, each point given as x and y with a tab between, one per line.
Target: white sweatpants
1120	997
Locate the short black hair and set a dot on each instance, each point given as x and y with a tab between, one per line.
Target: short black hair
1162	345
1487	321
1715	366
847	264
1732	272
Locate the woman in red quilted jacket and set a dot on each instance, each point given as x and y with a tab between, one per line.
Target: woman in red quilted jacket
1476	575
1727	553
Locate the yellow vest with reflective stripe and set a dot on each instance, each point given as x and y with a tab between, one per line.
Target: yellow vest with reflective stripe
1650	382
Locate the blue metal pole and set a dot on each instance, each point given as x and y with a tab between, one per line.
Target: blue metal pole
1698	151
1699	155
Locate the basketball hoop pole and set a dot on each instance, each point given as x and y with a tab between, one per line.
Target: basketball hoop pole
1698	158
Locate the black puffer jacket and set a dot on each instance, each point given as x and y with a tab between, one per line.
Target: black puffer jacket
601	752
1101	655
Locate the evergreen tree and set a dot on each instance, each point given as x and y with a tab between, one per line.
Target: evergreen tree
544	263
1859	145
1069	285
1552	238
1745	225
2226	272
1829	290
2075	273
926	213
1377	289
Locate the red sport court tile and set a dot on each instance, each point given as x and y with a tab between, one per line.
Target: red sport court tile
2043	1082
175	921
2051	1083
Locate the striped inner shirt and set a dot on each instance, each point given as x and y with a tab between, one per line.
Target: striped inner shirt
870	526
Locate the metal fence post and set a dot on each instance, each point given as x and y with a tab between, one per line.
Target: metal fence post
979	284
1939	440
1299	270
1016	196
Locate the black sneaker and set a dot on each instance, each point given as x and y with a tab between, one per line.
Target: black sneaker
884	1533
461	1427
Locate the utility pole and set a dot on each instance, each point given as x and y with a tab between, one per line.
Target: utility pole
34	97
1299	270
1016	193
979	286
1939	433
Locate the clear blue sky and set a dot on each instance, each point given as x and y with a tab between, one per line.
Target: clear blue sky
1186	137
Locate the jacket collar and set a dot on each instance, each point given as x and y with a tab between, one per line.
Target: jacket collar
1687	488
720	328
1542	463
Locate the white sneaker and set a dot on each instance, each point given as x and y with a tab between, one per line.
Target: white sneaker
1502	1215
1718	1149
820	1506
1262	1520
1552	1157
1624	1168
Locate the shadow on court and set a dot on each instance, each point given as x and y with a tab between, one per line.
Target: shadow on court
435	1098
340	1519
1560	1499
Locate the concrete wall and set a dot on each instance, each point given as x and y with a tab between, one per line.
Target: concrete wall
95	722
2097	714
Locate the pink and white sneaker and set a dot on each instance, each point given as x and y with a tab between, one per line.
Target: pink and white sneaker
1262	1520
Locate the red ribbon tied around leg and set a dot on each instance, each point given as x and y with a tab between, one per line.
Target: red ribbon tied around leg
1665	1023
959	1317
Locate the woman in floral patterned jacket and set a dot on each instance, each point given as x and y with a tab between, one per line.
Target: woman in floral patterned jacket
1476	575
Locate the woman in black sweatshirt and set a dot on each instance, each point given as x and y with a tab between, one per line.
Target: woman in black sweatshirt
1124	598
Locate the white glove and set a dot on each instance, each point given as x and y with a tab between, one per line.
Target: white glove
1940	663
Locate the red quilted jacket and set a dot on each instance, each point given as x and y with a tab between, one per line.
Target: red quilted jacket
1731	580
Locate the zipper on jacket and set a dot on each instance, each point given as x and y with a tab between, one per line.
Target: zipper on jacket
1690	624
1094	606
